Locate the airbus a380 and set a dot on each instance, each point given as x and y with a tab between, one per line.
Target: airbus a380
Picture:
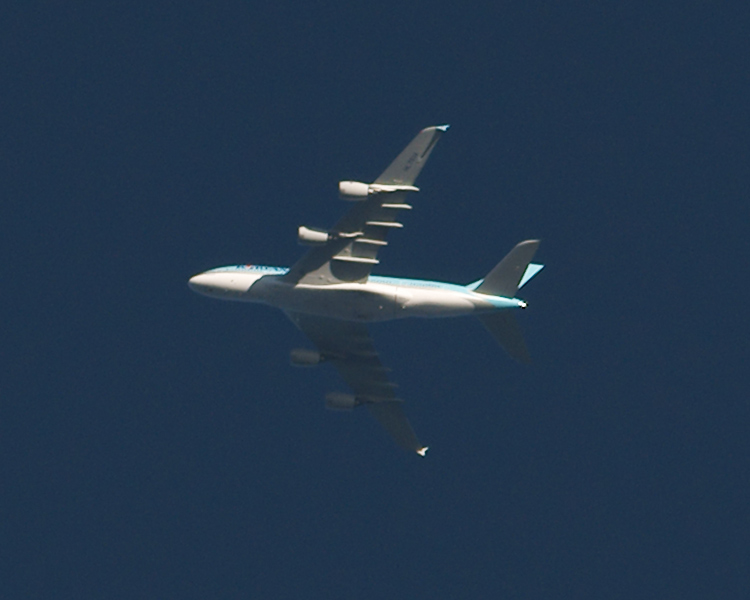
330	294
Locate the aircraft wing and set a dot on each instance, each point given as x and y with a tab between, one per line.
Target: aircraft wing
348	346
352	248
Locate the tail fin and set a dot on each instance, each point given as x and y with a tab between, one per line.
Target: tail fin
505	279
504	328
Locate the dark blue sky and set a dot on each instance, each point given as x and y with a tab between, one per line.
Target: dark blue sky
157	444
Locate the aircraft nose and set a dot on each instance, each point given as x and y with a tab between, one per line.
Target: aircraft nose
200	283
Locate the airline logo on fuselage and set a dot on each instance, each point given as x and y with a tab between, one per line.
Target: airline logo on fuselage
263	269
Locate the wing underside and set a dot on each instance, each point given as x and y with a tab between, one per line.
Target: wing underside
348	347
356	239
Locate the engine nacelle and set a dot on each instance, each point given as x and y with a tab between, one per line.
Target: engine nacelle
340	401
354	190
312	237
302	357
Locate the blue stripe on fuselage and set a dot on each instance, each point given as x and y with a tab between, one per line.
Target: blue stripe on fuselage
265	269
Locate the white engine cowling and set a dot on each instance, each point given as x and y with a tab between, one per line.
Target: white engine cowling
340	401
312	237
302	357
354	190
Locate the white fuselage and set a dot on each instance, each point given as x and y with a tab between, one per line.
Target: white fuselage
377	299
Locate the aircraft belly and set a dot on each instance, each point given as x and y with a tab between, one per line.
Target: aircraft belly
352	302
369	301
425	302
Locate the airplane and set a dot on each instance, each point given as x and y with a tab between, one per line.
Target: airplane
330	294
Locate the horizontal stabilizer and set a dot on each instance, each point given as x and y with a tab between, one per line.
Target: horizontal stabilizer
504	328
505	279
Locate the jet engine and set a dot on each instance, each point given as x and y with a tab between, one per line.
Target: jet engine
340	401
354	190
312	237
302	357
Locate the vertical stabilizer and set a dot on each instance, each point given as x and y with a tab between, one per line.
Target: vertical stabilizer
505	279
